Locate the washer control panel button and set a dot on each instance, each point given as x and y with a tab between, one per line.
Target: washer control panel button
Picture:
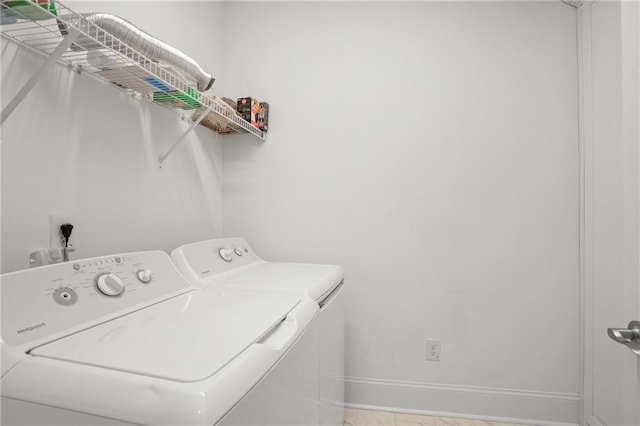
144	275
238	251
65	296
225	254
110	284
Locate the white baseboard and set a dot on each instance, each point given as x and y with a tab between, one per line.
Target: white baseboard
489	404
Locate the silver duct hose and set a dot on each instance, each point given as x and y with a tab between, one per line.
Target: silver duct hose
144	43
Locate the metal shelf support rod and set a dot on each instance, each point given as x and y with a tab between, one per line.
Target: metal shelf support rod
30	84
184	135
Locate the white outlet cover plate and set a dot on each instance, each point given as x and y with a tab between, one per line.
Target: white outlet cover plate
433	349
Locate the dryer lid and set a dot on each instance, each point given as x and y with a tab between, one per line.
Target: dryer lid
314	280
186	339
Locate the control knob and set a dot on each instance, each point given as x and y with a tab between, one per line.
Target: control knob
144	275
225	254
110	284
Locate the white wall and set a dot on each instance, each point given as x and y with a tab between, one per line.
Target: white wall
78	146
432	149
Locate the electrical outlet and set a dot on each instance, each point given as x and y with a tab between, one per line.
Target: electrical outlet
55	236
433	350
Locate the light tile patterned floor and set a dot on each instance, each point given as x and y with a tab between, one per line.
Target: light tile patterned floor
353	417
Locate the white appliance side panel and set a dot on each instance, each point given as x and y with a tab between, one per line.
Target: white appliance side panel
288	395
21	413
331	324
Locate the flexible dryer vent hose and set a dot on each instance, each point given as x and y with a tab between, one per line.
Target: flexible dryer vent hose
144	43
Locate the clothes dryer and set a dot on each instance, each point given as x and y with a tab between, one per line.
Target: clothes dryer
230	263
125	339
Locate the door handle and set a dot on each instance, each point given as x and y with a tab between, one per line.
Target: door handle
629	337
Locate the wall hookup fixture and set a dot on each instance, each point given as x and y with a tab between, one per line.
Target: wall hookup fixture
59	246
52	29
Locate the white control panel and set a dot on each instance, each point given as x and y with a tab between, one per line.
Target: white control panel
229	251
44	301
211	257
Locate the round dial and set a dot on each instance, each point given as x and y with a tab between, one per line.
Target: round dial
110	284
144	275
65	296
225	254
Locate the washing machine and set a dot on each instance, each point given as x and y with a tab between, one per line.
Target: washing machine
125	339
230	263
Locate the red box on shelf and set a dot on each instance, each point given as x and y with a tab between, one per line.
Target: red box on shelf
248	109
263	116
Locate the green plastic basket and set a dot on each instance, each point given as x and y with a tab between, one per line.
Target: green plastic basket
185	100
30	10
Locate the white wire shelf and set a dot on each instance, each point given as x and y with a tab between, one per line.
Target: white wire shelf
48	27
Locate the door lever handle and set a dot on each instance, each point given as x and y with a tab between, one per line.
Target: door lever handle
629	337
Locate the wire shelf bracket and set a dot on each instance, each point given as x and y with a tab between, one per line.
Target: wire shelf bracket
66	42
183	136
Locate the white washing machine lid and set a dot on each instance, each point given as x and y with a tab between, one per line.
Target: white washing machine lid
314	280
186	339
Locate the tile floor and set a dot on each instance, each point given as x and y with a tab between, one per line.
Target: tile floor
353	417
